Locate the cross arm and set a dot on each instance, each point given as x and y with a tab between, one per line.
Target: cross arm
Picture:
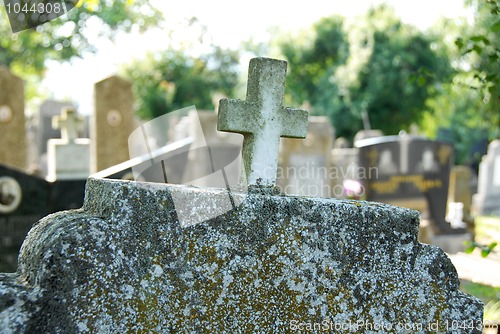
294	123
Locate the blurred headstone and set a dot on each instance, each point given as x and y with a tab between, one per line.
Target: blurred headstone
487	199
460	191
49	109
12	120
413	172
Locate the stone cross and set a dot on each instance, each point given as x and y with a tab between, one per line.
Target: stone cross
262	120
69	122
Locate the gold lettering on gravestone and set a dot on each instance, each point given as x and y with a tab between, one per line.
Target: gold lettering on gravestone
385	187
391	186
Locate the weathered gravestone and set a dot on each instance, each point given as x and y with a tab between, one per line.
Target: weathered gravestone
125	262
305	165
487	199
214	159
112	122
68	157
12	120
413	172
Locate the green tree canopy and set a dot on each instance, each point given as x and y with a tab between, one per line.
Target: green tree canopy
467	105
375	65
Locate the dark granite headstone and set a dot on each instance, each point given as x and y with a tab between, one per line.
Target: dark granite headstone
24	199
478	149
406	168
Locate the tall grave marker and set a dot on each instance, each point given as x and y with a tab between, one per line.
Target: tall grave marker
112	122
12	121
460	191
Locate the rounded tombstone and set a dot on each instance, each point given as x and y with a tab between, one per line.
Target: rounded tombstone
10	194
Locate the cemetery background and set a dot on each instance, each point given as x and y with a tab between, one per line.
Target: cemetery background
294	159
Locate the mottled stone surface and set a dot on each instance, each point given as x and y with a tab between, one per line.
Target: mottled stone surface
275	264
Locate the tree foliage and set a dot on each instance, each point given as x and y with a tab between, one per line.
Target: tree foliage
467	105
171	80
70	35
480	49
376	65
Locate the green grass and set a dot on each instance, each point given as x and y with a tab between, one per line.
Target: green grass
487	229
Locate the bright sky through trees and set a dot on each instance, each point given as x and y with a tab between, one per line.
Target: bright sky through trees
228	24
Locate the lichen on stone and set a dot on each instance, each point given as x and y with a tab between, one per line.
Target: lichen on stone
123	263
